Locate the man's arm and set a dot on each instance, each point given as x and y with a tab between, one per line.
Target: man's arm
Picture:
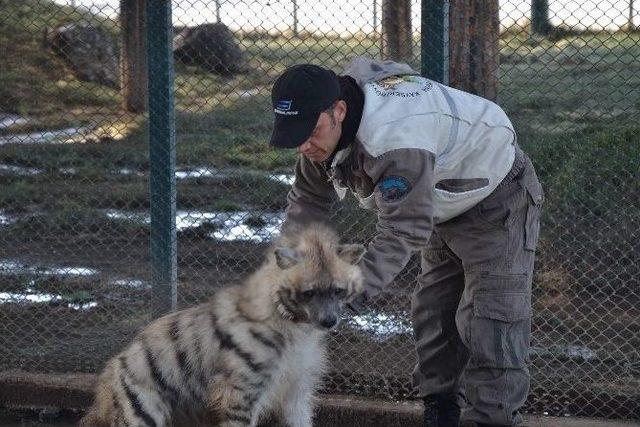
403	195
311	195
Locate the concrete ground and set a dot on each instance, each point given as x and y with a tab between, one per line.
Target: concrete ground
73	392
345	411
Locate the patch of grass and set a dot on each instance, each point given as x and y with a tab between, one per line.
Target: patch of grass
573	99
14	283
74	224
41	194
77	297
235	135
96	189
101	156
329	51
237	193
32	81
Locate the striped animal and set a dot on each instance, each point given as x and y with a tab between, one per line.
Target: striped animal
254	348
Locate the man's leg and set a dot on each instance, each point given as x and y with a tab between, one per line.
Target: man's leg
496	242
441	354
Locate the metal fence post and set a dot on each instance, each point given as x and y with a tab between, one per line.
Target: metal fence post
162	157
434	40
295	18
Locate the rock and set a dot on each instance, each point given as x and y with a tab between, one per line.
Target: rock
87	50
210	46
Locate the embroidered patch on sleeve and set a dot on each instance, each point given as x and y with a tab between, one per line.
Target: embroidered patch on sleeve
394	188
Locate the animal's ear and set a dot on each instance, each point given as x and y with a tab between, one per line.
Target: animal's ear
286	257
351	253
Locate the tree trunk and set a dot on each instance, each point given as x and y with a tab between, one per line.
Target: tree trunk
474	28
540	17
133	57
396	30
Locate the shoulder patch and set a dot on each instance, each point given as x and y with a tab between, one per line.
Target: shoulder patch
394	187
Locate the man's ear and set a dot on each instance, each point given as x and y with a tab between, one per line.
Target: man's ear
286	257
340	110
351	253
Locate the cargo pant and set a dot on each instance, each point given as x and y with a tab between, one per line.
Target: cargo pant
471	309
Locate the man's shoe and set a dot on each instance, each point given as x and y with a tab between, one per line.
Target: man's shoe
441	410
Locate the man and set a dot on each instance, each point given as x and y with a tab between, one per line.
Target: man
444	173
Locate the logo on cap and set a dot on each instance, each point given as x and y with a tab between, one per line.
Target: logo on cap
284	107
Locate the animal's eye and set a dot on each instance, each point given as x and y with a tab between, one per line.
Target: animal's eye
340	292
308	294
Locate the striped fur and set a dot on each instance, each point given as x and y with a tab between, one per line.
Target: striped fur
253	348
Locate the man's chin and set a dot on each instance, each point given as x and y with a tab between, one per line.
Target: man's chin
318	158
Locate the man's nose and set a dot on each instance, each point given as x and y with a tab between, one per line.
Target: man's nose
304	146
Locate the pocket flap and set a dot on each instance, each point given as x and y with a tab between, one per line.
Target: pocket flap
534	188
507	307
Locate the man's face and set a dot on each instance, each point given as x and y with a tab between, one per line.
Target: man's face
324	138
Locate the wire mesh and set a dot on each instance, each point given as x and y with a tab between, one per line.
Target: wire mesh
75	283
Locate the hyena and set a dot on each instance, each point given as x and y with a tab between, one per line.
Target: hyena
254	348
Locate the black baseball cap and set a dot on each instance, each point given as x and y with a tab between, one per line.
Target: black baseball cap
298	97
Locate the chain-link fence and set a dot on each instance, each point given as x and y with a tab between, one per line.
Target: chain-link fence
75	281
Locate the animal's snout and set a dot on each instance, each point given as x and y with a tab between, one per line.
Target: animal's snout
328	322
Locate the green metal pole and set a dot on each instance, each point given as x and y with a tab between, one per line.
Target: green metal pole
434	40
162	157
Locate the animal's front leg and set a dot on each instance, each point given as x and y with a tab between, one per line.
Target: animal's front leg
299	412
234	405
238	412
297	402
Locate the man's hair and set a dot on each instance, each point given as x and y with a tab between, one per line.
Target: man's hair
329	111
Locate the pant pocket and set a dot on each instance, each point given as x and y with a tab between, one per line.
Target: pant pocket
500	330
532	222
532	228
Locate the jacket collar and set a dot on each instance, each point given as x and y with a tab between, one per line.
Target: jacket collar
341	155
